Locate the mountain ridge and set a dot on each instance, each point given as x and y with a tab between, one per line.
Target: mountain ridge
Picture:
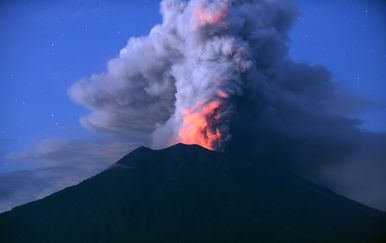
186	193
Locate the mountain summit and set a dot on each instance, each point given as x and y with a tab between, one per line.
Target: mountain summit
186	193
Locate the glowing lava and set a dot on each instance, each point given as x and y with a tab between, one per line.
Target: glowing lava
197	127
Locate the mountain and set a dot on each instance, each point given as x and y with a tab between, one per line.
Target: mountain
186	193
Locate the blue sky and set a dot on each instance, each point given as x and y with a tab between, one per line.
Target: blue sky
347	37
46	46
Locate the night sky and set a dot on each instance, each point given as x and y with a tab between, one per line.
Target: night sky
47	46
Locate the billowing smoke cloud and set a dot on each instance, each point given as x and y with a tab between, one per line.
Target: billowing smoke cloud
178	83
217	73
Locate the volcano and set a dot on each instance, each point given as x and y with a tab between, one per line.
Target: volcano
186	193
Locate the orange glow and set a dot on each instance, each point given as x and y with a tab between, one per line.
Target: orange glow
196	127
223	95
206	16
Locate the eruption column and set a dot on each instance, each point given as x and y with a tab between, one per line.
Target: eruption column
197	127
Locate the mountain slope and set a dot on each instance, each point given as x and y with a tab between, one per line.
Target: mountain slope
186	193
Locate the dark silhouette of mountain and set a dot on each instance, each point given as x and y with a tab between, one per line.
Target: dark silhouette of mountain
186	193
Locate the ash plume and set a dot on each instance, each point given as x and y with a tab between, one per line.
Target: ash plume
178	83
217	73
